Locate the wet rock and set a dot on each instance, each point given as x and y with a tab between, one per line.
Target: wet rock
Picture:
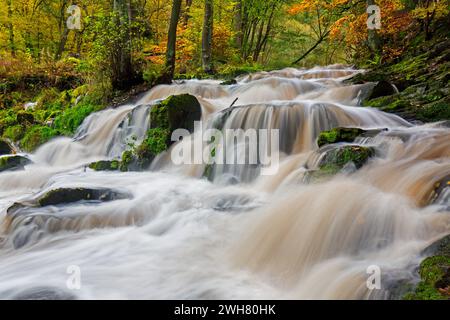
13	162
441	193
440	247
70	195
105	165
5	148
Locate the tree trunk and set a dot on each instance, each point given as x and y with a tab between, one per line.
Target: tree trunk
123	76
171	41
12	44
207	37
62	43
238	24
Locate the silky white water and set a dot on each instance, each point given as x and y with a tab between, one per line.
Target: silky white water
238	235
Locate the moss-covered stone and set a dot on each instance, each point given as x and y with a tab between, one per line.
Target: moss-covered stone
435	280
434	272
127	159
14	162
175	112
338	157
338	135
70	195
105	165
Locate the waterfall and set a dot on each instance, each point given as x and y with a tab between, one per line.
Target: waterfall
234	233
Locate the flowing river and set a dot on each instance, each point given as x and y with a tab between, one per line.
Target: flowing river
239	234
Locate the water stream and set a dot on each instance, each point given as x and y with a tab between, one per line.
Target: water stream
240	234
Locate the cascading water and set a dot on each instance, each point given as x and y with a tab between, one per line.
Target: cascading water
178	235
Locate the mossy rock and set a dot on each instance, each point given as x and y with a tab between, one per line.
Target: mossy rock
434	273
70	195
105	165
5	148
228	82
336	158
176	112
14	162
338	135
127	160
435	280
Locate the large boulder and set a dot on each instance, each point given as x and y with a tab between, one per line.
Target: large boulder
175	112
13	162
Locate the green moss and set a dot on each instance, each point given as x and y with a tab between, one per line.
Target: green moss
36	136
127	158
339	157
157	140
14	133
338	135
159	116
68	121
434	112
431	271
105	165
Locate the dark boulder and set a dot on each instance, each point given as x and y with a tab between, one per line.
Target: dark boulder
13	162
439	247
5	148
381	89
